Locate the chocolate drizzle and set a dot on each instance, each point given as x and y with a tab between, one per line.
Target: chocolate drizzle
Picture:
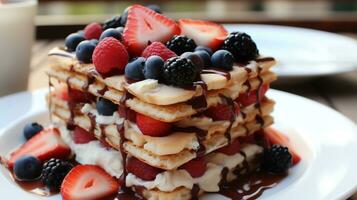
223	183
232	105
264	59
194	192
221	72
200	134
102	91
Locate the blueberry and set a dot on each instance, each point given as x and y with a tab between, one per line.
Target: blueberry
31	130
120	29
195	59
124	16
111	32
134	69
85	50
106	107
72	41
222	59
205	57
27	168
204	48
94	41
155	8
153	67
80	32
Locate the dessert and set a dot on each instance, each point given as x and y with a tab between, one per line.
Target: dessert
164	109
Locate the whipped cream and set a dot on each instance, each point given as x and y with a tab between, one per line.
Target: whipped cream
101	119
93	153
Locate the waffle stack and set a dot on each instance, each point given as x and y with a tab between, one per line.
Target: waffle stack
196	155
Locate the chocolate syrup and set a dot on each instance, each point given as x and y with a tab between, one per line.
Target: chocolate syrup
102	91
221	72
195	191
264	59
90	80
92	122
200	134
228	101
223	183
198	103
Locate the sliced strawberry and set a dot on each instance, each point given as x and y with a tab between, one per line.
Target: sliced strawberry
77	96
45	145
141	169
247	139
196	167
204	33
61	91
220	112
127	113
276	137
152	127
158	49
231	149
81	136
145	25
251	97
88	182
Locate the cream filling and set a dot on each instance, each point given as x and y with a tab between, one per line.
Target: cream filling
170	180
101	119
93	153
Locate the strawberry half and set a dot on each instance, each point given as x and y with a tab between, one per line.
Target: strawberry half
251	97
88	182
230	149
220	112
45	145
141	169
145	25
196	167
81	136
152	127
276	137
204	33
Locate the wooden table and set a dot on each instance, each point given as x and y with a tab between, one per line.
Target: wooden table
338	92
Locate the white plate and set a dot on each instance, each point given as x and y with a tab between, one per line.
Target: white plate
326	140
303	52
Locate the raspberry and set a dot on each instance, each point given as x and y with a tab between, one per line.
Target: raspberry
196	167
158	49
92	31
152	127
110	55
141	169
220	112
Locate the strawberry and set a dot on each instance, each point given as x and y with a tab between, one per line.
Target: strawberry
231	149
88	182
110	55
81	136
276	137
61	92
92	31
127	113
196	167
247	139
45	145
141	169
204	33
219	112
158	49
251	97
144	25
152	127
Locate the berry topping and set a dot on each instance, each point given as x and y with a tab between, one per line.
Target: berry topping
205	57
32	129
45	145
88	182
196	167
81	136
230	149
111	32
84	51
179	72
141	169
53	173
152	127
277	159
112	23
77	96
27	168
153	67
158	49
275	137
251	97
121	30
110	55
92	31
155	8
134	69
106	107
222	59
127	113
220	112
204	33
181	44
195	59
145	25
72	41
241	46
204	48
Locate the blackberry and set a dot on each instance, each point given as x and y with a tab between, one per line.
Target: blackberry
181	44
277	159
54	171
241	46
112	23
179	71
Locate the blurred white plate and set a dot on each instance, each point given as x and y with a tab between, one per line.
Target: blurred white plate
326	141
301	52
